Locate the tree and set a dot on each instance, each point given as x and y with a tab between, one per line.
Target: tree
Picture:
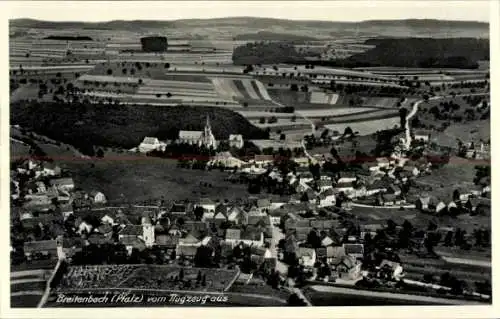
109	72
166	65
403	112
313	239
282	137
100	153
294	87
198	212
181	274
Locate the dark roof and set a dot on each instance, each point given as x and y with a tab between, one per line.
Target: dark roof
233	234
98	239
41	245
250	235
134	242
167	240
187	250
353	248
131	230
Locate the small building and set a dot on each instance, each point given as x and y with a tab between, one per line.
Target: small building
63	184
207	204
306	256
236	141
97	197
354	250
151	144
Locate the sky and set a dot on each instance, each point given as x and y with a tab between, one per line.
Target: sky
354	10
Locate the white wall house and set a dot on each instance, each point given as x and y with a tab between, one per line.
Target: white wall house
150	144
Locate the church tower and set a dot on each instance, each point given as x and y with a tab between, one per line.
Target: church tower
207	138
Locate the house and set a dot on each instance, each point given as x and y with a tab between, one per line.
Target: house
422	135
63	184
346	177
132	243
324	185
347	268
178	209
427	203
355	250
387	200
440	207
48	169
252	237
394	190
461	194
83	227
167	241
226	160
347	188
472	204
187	252
207	204
41	249
359	191
326	198
264	204
236	141
327	241
376	187
306	256
97	197
383	162
151	144
391	270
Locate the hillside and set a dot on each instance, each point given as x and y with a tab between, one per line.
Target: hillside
239	25
124	125
273	36
424	53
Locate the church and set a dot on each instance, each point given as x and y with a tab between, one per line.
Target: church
201	138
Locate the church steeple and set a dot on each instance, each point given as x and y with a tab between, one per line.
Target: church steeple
207	124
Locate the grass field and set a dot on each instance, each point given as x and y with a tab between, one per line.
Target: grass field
139	178
457	173
470	131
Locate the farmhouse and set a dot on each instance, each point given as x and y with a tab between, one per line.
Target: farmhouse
151	144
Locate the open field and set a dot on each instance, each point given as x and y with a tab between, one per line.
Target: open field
473	131
458	173
365	127
138	178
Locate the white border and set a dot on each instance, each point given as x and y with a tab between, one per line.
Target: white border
314	312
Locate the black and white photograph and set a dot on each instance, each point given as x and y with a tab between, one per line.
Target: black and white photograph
248	154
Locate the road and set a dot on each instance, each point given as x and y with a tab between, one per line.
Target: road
394	296
415	110
387	207
466	261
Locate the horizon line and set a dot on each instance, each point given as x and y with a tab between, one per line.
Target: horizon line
249	17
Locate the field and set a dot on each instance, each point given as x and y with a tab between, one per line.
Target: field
366	127
473	131
459	172
137	178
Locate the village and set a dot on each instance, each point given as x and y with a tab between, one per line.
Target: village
301	223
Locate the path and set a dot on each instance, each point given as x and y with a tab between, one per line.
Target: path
467	261
387	207
415	109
